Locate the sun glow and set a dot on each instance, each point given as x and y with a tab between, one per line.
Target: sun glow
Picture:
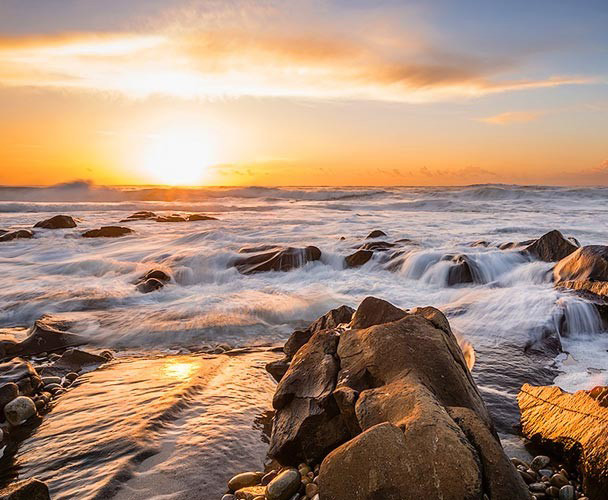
178	157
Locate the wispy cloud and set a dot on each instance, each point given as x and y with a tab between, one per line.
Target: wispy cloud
512	117
216	55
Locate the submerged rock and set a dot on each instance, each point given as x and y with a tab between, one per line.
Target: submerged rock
46	338
18	234
376	233
551	247
573	425
57	222
74	361
152	280
141	215
30	489
171	218
462	270
196	217
284	259
107	232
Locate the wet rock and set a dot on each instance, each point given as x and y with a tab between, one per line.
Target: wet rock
586	269
284	486
8	392
279	260
258	248
566	492
196	217
107	232
463	270
374	311
551	247
377	246
18	234
30	489
332	319
51	380
19	410
277	369
376	234
141	215
250	493
558	480
46	338
295	341
515	244
57	222
539	462
228	497
74	360
244	480
171	218
156	274
567	424
358	258
153	280
150	285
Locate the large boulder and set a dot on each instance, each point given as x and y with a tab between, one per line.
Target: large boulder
57	222
551	247
107	232
589	263
358	258
573	425
30	489
393	398
279	260
18	234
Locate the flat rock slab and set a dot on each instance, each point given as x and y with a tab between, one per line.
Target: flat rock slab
573	424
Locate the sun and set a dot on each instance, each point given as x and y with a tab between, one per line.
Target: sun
178	157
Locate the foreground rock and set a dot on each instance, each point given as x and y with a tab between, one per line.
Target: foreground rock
57	222
586	270
462	270
44	337
551	247
386	406
19	234
572	425
30	489
284	259
107	232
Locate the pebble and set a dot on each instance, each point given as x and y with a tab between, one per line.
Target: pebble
243	480
558	480
51	380
71	376
552	491
528	478
540	462
546	472
519	463
566	493
284	486
311	490
268	477
537	487
19	410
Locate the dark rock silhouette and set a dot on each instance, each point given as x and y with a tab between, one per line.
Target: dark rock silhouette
57	222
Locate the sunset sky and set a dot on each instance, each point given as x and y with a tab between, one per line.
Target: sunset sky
340	92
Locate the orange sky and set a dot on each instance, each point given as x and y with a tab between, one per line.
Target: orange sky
249	94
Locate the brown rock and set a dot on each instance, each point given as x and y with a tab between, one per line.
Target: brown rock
551	247
332	319
376	233
588	263
150	285
358	258
250	492
463	270
570	424
195	217
46	338
279	260
373	311
277	369
107	232
171	218
141	215
57	222
30	489
19	234
74	361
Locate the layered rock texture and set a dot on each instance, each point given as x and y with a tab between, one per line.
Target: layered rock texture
586	269
388	405
573	425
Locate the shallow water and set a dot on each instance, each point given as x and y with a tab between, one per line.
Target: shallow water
90	281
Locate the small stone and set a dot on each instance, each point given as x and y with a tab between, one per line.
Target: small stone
284	486
564	473
268	477
71	376
558	480
249	493
51	380
552	491
539	462
19	410
8	392
537	487
566	492
244	480
304	469
528	478
52	388
517	462
109	355
311	490
545	472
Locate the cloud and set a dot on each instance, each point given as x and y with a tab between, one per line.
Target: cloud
265	52
512	117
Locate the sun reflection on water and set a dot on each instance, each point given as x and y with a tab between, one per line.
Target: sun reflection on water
179	369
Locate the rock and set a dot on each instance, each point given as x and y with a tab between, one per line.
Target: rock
171	218
373	311
277	369
558	480
46	338
311	490
107	232
19	234
141	215
551	247
295	341
250	493
332	319
30	489
377	246
513	244
51	380
8	392
57	222
156	274
539	462
568	424
586	269
21	374
462	270
279	260
566	492
195	217
74	360
268	477
358	258
376	234
284	486
228	497
19	410
258	248
149	285
244	480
